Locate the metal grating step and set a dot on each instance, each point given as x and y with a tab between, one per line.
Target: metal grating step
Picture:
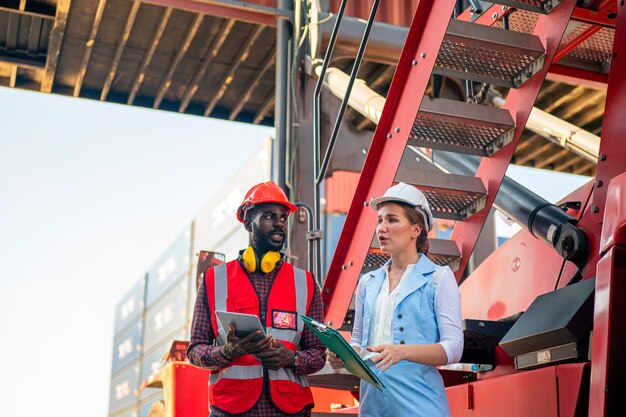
450	196
488	54
442	252
535	6
461	127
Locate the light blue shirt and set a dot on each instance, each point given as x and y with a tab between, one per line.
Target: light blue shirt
427	310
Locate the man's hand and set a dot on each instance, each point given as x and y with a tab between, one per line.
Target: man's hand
250	344
335	361
389	354
276	358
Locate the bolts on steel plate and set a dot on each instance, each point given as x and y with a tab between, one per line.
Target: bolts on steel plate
414	62
594	208
602	157
494	16
344	267
598	183
389	135
423	54
397	130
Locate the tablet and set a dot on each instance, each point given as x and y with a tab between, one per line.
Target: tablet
244	323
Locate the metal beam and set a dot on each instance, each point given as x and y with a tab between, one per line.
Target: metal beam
567	48
583	168
574	93
12	31
245	12
589	116
241	102
13	76
581	105
141	73
22	59
208	59
165	84
88	47
27	13
120	49
34	33
542	163
269	102
523	159
241	57
526	143
575	76
566	164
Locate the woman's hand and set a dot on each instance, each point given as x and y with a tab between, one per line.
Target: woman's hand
335	361
389	354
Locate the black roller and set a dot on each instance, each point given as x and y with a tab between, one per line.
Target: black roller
540	217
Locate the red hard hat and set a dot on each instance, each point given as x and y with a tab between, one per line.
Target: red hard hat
266	192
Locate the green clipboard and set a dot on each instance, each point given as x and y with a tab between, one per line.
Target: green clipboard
337	344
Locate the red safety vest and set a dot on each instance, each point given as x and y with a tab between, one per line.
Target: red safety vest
237	387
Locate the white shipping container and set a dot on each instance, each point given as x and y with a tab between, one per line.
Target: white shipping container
167	315
124	388
127	346
217	221
131	306
174	263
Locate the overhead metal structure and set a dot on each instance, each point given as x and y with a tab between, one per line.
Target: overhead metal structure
195	57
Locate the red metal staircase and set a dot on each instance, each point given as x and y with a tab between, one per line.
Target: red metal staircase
462	49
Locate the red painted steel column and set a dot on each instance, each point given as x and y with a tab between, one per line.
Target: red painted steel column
606	394
608	362
519	102
612	158
390	139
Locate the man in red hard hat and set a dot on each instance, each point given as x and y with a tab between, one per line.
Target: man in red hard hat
253	375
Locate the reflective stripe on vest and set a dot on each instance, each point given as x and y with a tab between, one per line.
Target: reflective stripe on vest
221	294
287	375
238	372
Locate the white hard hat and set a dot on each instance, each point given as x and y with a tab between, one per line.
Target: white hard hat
405	193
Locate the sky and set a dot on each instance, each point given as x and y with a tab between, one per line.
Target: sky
90	195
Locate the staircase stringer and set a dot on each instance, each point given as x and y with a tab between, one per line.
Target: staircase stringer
388	144
519	102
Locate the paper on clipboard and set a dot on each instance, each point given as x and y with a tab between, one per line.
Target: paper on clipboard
338	345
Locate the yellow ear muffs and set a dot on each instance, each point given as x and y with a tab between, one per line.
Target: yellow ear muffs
269	261
267	264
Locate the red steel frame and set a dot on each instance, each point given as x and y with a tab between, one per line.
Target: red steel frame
410	81
608	380
612	158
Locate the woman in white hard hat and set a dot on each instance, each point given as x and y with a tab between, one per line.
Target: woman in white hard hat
407	314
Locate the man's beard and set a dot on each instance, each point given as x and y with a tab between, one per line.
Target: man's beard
262	241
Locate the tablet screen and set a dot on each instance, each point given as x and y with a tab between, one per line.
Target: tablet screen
244	323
